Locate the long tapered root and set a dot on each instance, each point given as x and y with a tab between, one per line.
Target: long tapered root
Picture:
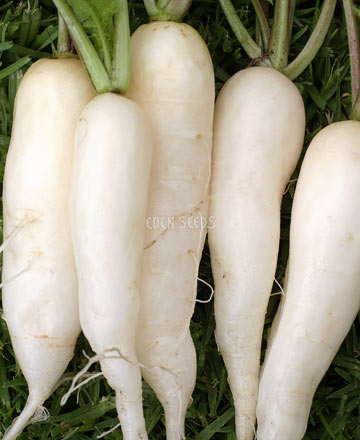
244	387
174	398
173	384
130	414
24	419
245	427
175	416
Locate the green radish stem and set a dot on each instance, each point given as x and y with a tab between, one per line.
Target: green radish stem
355	115
104	44
299	64
291	20
263	22
63	38
167	10
251	48
281	33
113	75
354	51
121	58
279	43
97	71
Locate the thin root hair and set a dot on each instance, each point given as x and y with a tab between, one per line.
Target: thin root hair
290	182
16	229
93	360
109	431
80	374
41	415
16	276
205	301
282	291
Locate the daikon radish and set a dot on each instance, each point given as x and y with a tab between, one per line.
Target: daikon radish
40	284
109	196
108	205
322	296
173	81
258	136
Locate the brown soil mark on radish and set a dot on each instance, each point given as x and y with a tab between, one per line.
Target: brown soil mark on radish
183	33
356	156
53	344
150	244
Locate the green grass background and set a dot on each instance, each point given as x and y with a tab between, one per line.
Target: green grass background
325	87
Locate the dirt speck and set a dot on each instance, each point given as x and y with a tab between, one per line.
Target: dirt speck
150	244
350	237
356	156
183	33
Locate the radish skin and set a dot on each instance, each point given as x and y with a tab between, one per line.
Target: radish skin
275	322
258	136
40	305
173	81
322	296
108	208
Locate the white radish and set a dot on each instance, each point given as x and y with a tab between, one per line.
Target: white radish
258	135
40	304
173	81
108	208
322	295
